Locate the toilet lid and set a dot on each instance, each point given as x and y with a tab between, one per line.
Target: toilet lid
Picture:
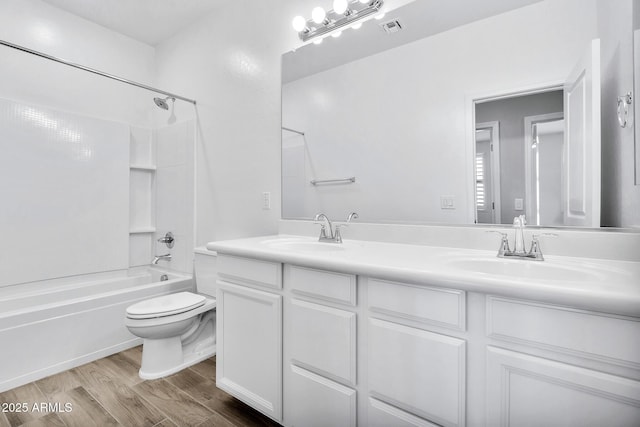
165	305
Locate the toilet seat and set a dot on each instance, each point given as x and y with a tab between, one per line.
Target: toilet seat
165	305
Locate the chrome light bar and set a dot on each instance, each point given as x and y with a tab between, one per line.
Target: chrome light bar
334	21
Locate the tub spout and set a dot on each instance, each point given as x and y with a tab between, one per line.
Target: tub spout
166	257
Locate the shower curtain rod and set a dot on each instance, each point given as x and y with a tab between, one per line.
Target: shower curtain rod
94	71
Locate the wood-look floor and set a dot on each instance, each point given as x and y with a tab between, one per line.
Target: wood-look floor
108	392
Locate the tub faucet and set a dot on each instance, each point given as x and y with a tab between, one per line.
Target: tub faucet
166	257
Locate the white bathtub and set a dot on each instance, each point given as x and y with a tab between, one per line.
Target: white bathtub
51	326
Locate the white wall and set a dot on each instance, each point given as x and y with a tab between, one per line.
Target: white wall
230	62
37	25
620	197
397	120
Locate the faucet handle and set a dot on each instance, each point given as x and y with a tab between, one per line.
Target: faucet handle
168	239
504	243
323	230
352	215
337	237
535	245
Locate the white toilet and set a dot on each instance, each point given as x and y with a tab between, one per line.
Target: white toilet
179	329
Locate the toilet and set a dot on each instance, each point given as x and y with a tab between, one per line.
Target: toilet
179	330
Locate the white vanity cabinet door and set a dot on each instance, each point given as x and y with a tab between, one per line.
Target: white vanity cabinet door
420	372
249	358
528	391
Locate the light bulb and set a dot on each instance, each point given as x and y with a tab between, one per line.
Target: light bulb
318	14
317	41
340	6
336	34
364	1
299	23
380	15
357	26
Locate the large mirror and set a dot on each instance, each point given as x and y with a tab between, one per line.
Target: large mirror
474	112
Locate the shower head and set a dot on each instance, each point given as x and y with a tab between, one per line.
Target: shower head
162	103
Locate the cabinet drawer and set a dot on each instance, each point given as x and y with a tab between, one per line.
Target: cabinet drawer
441	307
325	285
323	339
383	415
608	338
251	271
317	401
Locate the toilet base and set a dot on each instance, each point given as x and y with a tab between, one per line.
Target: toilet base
161	358
166	356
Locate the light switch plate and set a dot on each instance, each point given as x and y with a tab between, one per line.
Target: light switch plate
266	200
519	204
447	202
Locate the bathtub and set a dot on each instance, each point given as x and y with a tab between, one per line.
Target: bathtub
50	326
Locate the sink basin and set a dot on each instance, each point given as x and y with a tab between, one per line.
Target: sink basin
302	245
515	268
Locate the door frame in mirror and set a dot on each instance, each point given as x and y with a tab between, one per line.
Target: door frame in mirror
470	107
528	141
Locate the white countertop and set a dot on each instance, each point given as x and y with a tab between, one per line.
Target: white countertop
600	285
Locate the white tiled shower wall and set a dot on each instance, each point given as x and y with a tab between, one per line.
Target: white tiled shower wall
161	194
174	192
81	97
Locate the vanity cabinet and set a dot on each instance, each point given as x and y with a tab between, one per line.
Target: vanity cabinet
311	347
551	365
249	331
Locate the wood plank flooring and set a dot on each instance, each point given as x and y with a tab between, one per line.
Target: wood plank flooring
108	392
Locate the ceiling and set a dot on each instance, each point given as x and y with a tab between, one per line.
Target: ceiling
419	19
149	21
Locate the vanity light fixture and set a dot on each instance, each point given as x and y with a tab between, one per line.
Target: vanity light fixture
345	13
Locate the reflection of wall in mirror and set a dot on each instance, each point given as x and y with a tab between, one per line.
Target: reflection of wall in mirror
510	113
397	120
293	174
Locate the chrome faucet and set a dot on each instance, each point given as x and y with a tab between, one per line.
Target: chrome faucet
519	223
166	257
326	227
519	251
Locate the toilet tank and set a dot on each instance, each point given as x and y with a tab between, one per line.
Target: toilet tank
205	271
